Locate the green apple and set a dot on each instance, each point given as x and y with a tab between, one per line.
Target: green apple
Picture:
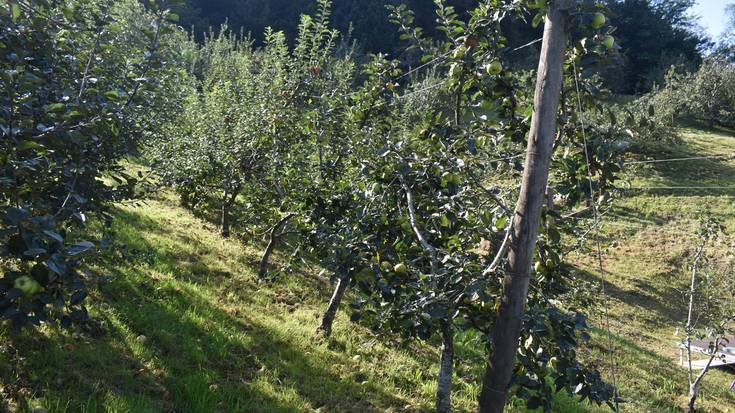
460	52
608	41
446	179
400	268
598	20
493	68
540	268
27	285
386	266
377	187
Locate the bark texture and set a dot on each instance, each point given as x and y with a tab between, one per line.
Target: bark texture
334	303
446	362
275	234
526	221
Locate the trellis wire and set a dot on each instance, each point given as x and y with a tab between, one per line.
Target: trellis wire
603	280
731	156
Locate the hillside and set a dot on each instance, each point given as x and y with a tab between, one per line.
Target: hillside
182	325
649	238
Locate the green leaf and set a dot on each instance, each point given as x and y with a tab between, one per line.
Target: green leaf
34	252
77	297
14	11
56	107
54	235
537	20
112	94
79	248
501	222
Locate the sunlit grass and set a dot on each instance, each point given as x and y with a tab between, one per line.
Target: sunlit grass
184	325
648	239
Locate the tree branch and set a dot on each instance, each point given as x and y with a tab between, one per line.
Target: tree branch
414	225
503	249
499	201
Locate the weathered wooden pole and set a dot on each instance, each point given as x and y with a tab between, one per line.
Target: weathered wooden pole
506	331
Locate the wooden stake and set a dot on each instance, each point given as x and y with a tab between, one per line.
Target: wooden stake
506	331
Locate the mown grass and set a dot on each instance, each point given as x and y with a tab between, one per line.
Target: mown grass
183	325
649	237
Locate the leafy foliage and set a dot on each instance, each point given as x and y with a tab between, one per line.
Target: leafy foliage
398	183
706	95
76	81
653	36
671	37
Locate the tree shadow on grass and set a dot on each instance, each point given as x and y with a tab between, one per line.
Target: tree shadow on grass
659	304
185	265
189	334
687	173
169	341
199	346
640	370
621	213
56	368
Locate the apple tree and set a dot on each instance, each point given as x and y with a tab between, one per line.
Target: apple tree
433	179
76	82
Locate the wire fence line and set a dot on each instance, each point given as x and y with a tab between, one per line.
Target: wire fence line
598	245
416	69
692	158
688	188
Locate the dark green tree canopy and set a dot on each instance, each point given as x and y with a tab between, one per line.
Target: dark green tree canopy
654	34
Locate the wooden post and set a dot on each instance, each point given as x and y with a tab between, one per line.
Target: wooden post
506	331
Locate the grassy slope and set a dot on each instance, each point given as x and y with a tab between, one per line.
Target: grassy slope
647	269
184	326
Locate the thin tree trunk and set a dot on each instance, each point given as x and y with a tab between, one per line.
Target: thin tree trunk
273	238
225	227
506	331
693	383
694	386
228	199
446	362
334	303
690	315
320	152
444	379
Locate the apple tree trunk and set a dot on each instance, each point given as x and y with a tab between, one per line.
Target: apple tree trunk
328	318
446	361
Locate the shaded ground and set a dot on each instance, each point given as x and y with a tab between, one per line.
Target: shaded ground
649	240
184	326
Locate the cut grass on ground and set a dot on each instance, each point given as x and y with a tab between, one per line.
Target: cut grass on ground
649	241
182	325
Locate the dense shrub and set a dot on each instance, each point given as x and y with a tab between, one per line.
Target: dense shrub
79	80
707	95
